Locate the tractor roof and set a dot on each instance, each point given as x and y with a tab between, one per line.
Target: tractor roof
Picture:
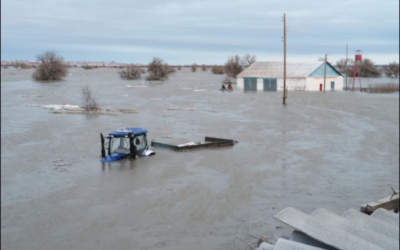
124	131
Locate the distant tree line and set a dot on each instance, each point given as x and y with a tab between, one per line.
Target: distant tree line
367	68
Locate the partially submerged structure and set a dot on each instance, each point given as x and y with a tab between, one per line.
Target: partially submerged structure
302	76
126	142
354	229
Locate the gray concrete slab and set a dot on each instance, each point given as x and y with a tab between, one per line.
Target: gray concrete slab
359	231
300	237
386	216
283	244
372	223
322	232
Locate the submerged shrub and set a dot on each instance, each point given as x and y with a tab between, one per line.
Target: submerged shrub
179	67
131	72
87	67
204	67
158	70
392	69
51	67
89	102
218	70
194	67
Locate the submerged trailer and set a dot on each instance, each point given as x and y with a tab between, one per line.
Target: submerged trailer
208	142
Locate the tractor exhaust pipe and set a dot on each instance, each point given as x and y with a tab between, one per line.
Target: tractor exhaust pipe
103	152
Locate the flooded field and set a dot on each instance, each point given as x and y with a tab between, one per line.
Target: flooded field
336	150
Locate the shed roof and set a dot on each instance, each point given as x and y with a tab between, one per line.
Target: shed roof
275	69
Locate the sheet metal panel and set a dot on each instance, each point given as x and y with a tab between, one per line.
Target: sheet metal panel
372	223
386	216
283	244
322	232
348	226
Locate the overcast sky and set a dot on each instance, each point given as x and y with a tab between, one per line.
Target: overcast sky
185	32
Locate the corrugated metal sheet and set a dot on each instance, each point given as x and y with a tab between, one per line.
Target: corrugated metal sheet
275	69
352	230
323	232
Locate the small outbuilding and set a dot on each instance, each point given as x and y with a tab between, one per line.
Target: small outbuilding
302	76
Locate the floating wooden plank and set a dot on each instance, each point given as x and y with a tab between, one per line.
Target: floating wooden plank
389	203
372	223
348	226
208	142
386	216
321	231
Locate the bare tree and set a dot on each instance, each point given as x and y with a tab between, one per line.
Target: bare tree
158	70
218	70
247	60
51	67
89	101
391	69
233	66
204	67
131	72
368	69
341	65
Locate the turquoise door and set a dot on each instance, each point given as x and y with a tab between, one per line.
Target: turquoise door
332	85
250	84
269	84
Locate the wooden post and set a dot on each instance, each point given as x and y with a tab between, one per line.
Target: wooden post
325	73
345	67
284	59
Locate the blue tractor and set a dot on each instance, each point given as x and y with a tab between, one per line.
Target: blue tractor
126	142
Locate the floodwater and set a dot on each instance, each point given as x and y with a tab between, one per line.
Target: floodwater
336	150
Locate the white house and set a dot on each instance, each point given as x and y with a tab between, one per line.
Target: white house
304	76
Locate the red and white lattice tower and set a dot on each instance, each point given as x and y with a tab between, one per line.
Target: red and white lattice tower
358	57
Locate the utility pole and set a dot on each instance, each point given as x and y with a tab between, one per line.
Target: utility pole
284	59
325	72
345	65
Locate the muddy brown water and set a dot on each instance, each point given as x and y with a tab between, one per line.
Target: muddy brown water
334	150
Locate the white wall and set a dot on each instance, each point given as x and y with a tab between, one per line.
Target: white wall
314	82
296	84
260	84
240	83
299	84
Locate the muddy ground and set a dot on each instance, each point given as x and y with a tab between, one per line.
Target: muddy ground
336	150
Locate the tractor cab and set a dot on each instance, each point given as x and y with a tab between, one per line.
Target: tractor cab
127	142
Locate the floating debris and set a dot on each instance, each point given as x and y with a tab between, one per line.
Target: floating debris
127	110
63	164
26	96
31	105
207	143
167	136
185	109
136	86
75	109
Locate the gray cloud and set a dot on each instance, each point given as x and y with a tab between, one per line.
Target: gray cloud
198	31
